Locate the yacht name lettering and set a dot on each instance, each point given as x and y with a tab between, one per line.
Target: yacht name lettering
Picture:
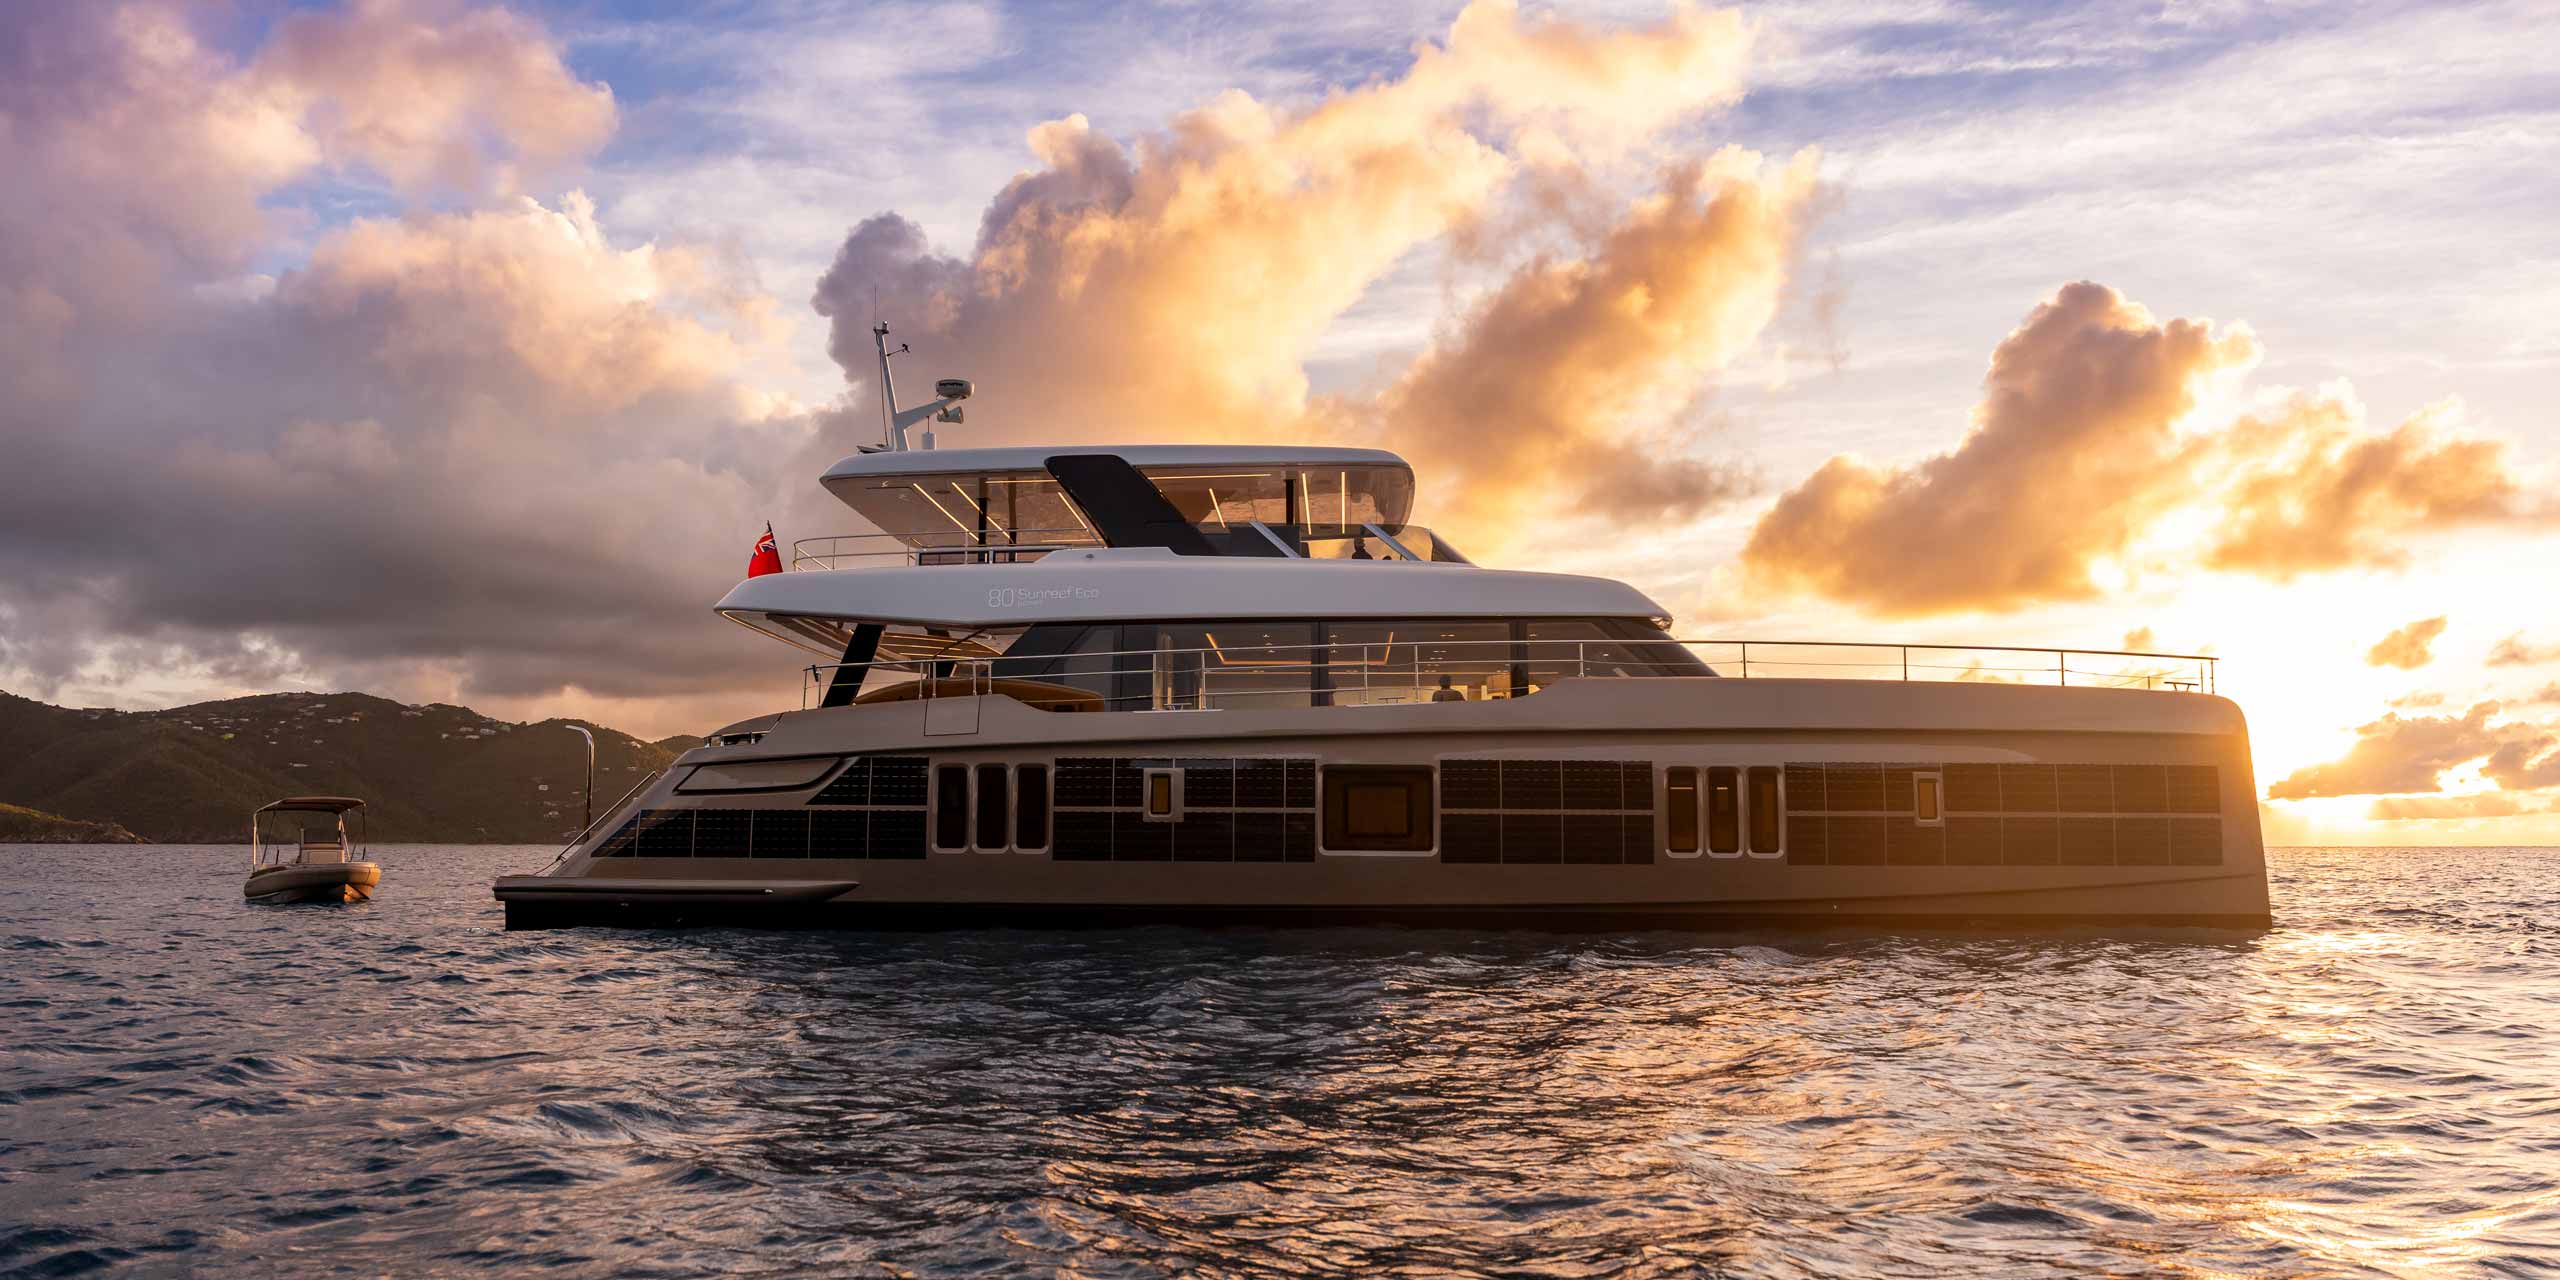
1023	597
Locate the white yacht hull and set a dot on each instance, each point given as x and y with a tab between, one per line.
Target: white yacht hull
1555	810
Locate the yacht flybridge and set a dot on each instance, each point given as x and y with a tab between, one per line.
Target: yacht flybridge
1236	683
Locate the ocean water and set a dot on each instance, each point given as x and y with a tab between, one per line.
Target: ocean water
193	1086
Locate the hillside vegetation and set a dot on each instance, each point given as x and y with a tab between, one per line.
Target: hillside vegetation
21	825
436	773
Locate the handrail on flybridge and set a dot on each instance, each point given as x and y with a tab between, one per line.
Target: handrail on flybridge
1357	673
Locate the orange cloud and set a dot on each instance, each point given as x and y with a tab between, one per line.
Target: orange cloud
2080	452
2515	651
1175	287
2401	754
2072	454
2525	764
1536	389
2406	648
2315	491
2485	804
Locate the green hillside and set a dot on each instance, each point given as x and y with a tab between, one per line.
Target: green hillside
21	825
435	773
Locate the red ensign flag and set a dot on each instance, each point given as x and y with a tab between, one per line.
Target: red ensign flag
766	559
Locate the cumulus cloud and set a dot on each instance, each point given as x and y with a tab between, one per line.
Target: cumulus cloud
428	92
2417	699
481	452
1538	387
2315	491
2073	453
1173	288
2406	648
2081	453
134	150
2525	763
2516	651
2400	754
2481	804
484	437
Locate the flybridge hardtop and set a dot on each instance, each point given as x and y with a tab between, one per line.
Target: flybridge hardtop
1075	496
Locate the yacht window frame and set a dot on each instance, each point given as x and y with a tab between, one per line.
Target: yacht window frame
1030	778
1929	798
1751	809
1730	837
1681	830
1422	799
950	831
978	814
1171	777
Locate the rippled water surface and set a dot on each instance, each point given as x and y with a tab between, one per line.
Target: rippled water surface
191	1085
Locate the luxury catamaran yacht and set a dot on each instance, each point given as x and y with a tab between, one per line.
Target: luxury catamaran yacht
1228	683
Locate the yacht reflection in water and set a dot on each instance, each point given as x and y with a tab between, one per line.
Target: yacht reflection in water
1228	683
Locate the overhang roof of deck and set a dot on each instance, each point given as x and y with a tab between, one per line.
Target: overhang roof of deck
1035	458
1147	584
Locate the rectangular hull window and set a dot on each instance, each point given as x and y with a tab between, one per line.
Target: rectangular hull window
1768	812
1724	811
1383	810
991	806
1031	806
1924	800
1680	792
1162	795
951	807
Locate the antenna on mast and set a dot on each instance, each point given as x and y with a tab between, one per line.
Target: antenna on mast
948	392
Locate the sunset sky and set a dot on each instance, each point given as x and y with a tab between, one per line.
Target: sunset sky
459	352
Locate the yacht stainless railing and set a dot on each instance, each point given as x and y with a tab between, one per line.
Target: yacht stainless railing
604	815
857	550
1022	546
1353	673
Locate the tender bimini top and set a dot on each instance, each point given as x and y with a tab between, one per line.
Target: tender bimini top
1141	584
313	804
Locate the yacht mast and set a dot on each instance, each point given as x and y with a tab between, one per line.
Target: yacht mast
944	407
891	439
